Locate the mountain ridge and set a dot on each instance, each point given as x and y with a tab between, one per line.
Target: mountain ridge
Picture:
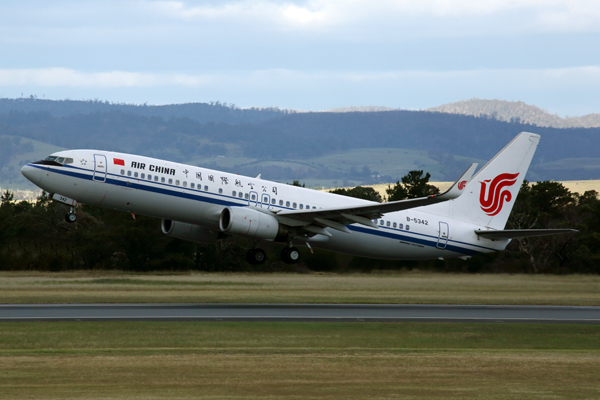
516	111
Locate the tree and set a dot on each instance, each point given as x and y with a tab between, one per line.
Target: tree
296	182
7	198
360	192
413	185
544	205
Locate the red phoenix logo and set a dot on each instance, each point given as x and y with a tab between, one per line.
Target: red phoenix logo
461	185
492	198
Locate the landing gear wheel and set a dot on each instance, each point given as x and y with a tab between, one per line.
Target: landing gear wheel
71	217
290	255
256	256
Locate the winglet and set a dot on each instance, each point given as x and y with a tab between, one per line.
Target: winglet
457	188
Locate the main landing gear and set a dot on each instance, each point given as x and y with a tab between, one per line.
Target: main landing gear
256	256
71	216
289	255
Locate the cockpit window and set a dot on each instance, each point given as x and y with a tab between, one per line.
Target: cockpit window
51	160
55	160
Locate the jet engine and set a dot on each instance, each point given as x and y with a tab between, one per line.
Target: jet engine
185	231
246	222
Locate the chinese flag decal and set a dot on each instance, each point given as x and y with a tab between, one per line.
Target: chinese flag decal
118	161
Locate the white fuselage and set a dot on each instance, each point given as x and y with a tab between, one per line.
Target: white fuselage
196	195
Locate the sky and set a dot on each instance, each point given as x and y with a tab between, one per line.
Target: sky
305	55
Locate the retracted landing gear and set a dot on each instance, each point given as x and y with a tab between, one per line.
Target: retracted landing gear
290	255
256	256
71	216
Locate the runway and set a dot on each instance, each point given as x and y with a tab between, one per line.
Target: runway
299	312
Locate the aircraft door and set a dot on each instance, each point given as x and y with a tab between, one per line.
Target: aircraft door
443	236
266	200
253	199
99	168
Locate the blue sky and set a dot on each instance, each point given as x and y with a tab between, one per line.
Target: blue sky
307	55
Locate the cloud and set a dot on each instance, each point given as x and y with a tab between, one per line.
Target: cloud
500	15
65	77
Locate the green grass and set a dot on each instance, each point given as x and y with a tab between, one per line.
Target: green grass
159	360
140	282
385	287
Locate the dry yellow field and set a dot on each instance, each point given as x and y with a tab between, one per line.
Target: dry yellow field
573	186
400	287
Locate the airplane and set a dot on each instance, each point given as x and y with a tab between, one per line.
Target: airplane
203	205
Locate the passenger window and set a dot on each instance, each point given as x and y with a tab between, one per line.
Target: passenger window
253	197
128	173
301	207
307	207
155	178
394	224
314	208
234	193
401	226
287	203
170	181
387	223
273	201
177	182
143	176
240	195
294	205
206	188
220	190
246	196
192	185
68	161
135	174
407	227
381	222
280	202
162	179
184	184
122	172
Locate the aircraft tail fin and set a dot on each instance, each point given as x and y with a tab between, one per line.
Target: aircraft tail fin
490	195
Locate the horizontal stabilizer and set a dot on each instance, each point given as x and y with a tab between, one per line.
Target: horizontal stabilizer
520	233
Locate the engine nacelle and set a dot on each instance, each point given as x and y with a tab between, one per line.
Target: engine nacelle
185	231
246	222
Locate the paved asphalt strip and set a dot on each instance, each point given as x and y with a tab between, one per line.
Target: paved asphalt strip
300	312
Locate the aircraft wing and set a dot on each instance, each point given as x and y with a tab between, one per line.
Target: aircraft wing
337	218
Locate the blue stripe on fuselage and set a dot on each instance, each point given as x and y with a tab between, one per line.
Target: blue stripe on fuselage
200	197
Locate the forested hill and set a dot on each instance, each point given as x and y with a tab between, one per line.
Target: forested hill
200	112
306	134
320	148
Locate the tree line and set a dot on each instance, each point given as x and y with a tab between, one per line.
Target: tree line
34	236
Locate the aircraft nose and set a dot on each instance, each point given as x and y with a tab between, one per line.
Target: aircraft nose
32	173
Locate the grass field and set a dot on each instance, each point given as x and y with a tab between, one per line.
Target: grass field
282	360
402	287
152	360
